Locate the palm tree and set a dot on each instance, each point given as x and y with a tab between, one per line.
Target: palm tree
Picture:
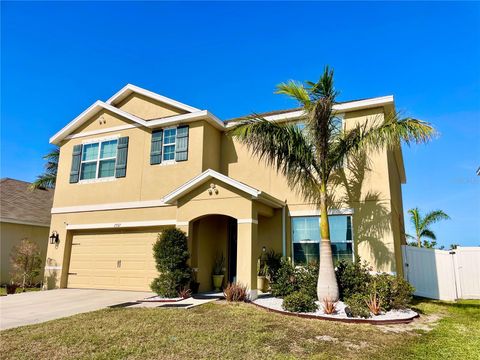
307	157
422	224
48	178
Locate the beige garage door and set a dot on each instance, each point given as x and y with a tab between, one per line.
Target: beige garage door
119	261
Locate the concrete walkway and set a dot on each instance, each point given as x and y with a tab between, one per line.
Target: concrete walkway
36	307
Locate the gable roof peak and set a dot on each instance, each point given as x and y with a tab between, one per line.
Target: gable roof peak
130	88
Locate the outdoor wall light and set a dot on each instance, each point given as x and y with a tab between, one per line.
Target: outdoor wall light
54	238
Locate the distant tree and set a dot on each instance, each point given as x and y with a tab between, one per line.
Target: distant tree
422	224
453	246
48	179
26	262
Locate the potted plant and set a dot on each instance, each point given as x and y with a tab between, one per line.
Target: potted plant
262	271
218	271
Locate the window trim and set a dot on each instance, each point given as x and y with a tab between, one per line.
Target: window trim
98	141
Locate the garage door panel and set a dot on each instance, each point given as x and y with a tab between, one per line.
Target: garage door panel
122	261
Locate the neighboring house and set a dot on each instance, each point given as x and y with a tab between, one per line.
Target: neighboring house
24	214
139	162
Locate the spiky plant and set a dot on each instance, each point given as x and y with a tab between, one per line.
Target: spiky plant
307	157
48	178
422	224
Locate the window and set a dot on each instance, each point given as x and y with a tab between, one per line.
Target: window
98	160
306	238
169	136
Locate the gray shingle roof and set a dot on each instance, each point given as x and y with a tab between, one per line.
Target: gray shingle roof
20	204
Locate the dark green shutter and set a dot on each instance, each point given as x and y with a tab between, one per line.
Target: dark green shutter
76	160
181	144
156	147
122	152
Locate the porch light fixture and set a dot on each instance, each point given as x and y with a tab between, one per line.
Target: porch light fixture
54	238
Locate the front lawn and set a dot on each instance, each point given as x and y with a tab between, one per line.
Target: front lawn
218	330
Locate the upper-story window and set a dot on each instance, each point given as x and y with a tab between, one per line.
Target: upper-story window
169	136
98	160
169	145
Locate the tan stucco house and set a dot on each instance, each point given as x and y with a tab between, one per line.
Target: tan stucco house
140	162
24	214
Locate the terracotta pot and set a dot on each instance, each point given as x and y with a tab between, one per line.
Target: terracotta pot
217	281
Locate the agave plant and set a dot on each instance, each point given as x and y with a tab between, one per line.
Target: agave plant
308	156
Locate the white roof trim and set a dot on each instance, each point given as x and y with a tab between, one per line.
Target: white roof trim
339	108
87	114
364	104
129	89
155	123
208	174
178	119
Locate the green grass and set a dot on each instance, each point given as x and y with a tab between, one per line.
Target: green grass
3	291
222	331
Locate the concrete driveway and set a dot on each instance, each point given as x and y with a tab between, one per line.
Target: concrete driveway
36	307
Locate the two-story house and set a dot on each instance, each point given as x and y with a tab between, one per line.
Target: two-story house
140	162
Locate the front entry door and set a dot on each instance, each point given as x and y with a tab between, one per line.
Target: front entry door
232	250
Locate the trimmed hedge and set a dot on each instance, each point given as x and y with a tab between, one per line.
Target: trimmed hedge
171	255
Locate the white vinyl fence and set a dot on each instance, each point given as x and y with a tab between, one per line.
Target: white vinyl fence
443	275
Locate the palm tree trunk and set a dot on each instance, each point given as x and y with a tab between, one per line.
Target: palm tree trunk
327	283
419	241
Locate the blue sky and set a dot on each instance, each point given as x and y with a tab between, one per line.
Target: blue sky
58	58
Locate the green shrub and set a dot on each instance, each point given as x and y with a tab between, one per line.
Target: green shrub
285	280
394	291
171	255
307	279
353	278
289	279
358	306
300	302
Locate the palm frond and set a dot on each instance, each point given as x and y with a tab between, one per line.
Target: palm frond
433	217
393	130
44	181
415	219
48	178
428	234
324	87
296	91
284	147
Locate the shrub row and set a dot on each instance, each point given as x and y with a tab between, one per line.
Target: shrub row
357	286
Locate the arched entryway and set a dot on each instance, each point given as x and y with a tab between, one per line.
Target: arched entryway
213	236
